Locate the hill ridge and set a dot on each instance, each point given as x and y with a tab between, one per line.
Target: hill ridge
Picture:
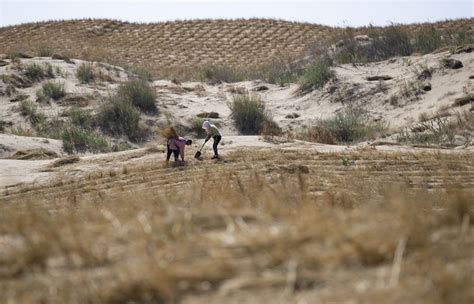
166	47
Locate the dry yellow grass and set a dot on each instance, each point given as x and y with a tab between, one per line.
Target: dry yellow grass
262	227
176	48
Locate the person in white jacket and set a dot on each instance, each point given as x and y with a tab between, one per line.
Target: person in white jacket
213	132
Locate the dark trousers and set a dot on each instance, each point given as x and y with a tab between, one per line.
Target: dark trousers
169	152
217	139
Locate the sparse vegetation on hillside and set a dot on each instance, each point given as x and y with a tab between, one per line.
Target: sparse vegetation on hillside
394	40
188	53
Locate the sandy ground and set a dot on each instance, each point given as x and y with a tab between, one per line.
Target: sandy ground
14	172
180	103
9	144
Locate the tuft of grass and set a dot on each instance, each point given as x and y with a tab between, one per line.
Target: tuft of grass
76	139
348	126
196	126
80	117
142	73
315	76
317	133
16	56
35	72
119	117
53	90
29	109
20	131
44	52
84	73
49	70
248	113
140	94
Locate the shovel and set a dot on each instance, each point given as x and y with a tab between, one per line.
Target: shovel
198	153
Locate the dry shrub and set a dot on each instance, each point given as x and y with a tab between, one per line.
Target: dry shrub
318	134
347	126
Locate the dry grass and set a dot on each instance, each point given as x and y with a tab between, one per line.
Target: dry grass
261	227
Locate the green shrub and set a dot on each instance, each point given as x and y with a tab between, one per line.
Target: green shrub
248	113
76	139
49	70
80	118
35	71
44	52
315	76
351	125
30	110
348	126
84	73
119	117
427	40
53	90
142	74
394	41
196	126
140	94
15	56
51	128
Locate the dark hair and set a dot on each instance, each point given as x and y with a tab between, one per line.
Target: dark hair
189	142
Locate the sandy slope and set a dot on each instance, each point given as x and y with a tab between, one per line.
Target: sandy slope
374	96
180	103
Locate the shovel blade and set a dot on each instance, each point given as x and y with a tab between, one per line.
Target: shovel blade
198	154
